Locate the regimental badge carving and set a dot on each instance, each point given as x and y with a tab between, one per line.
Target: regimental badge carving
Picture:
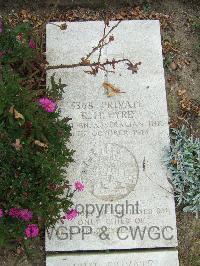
110	171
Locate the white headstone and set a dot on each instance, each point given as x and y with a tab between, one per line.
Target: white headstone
120	141
145	258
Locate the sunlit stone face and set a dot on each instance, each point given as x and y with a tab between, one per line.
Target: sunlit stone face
119	141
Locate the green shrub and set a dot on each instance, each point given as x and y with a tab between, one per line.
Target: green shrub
15	43
184	163
33	138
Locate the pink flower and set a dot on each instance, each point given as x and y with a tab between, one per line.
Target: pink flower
1	54
48	104
25	214
20	37
79	186
14	212
1	213
32	230
1	25
71	215
32	44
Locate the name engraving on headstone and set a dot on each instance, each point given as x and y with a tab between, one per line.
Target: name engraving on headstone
145	258
120	263
107	118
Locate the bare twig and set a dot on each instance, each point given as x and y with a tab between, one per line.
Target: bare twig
102	44
102	40
90	65
96	66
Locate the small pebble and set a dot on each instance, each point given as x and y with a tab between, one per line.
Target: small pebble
173	66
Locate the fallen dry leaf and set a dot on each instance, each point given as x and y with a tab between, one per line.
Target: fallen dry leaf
187	104
174	162
85	61
169	47
109	86
63	26
17	145
181	92
17	115
111	94
133	67
119	17
20	251
40	144
111	89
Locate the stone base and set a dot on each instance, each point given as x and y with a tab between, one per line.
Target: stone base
129	258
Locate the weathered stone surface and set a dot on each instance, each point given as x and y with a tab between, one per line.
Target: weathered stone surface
120	141
144	258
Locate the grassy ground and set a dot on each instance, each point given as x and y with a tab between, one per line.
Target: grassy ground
181	47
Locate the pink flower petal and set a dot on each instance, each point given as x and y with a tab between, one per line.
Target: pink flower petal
71	215
32	44
31	231
25	215
1	54
1	213
48	104
79	186
14	212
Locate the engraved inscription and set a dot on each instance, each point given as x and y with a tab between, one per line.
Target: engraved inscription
110	118
107	175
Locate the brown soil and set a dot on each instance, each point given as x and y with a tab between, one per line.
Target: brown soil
187	40
181	71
